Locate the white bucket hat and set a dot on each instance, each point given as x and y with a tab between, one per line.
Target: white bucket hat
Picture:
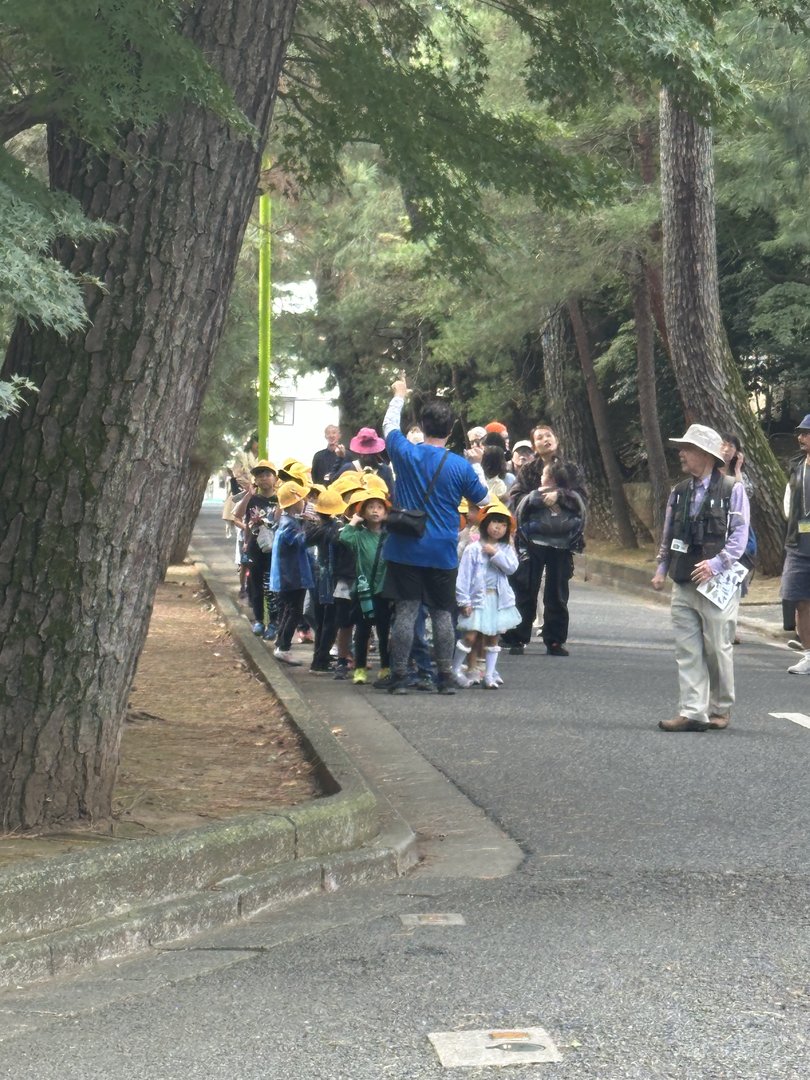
704	438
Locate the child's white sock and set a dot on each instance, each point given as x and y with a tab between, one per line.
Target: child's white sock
459	656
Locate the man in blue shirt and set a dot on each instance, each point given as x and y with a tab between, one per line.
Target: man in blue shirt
423	570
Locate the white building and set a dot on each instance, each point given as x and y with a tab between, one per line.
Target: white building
301	410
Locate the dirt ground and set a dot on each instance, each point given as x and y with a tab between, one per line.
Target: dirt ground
205	738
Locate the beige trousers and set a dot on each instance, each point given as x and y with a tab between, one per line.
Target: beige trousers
704	652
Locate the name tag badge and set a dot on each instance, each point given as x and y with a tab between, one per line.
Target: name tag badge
680	547
804	526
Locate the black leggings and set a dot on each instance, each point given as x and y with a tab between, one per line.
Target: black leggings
362	632
292	608
325	631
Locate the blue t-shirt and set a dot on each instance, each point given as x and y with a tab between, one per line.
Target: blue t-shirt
415	464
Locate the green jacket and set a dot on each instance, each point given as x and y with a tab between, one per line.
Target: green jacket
364	544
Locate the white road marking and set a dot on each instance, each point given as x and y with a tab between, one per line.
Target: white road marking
796	717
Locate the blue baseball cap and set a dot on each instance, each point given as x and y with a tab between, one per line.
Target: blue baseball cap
804	425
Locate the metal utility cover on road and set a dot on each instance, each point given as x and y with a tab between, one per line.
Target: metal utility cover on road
473	1049
433	918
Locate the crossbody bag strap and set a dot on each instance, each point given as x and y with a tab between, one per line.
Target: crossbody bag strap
433	480
376	563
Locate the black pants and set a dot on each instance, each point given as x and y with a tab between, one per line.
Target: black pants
259	565
558	567
362	634
292	607
325	632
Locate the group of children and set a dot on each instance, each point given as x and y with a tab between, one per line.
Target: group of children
315	552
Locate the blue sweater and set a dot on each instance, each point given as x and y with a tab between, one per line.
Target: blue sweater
291	567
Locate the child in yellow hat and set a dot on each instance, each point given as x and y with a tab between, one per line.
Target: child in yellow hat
364	536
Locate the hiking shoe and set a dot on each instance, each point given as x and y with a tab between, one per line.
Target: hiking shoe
555	649
719	721
682	723
286	657
257	628
803	666
360	677
342	669
270	632
517	650
446	684
424	683
393	683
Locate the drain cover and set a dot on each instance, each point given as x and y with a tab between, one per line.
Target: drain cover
433	918
516	1046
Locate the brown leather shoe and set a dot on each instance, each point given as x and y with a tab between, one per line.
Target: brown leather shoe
682	723
718	721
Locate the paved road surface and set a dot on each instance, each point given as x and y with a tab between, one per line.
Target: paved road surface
657	926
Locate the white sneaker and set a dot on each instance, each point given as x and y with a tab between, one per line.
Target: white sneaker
803	666
286	658
496	675
796	645
490	682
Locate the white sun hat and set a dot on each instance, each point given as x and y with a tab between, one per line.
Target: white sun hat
704	438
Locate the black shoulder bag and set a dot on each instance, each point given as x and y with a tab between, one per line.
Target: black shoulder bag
412	523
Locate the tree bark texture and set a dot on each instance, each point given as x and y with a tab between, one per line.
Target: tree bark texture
708	379
90	470
648	398
573	423
618	496
187	508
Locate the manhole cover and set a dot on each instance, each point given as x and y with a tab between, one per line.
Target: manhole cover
433	918
513	1046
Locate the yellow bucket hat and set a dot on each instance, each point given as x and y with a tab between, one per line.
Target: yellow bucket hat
289	493
359	497
330	502
264	465
496	508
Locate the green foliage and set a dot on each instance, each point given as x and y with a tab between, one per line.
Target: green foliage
98	66
409	78
33	285
12	395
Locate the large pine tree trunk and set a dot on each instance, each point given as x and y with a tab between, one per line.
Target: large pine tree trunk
618	496
90	470
573	424
708	379
648	398
187	508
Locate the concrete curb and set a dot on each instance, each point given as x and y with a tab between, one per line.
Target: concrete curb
631	579
69	911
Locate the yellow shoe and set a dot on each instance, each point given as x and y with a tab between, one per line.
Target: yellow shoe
360	675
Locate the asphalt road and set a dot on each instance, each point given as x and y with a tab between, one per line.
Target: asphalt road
657	927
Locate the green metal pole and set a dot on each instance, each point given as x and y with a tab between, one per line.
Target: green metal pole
265	316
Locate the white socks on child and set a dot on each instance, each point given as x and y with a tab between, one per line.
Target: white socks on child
491	681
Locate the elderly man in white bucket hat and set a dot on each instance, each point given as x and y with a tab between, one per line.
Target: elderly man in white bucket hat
705	533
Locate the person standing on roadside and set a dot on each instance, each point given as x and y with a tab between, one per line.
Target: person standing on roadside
422	569
553	567
326	463
705	534
796	572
